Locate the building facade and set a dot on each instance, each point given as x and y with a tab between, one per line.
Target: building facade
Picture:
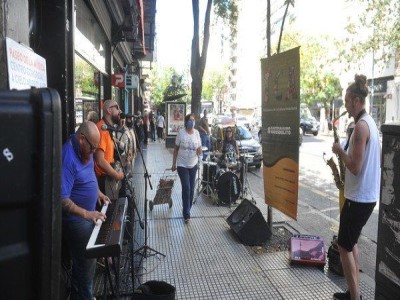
100	39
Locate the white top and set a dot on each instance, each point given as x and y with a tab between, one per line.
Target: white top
160	121
188	144
365	187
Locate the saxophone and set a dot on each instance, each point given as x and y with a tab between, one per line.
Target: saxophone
338	173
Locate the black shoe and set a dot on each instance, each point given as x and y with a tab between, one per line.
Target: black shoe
343	296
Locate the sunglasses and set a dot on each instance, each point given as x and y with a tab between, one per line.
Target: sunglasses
92	147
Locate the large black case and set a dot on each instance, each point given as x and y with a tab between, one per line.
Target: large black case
30	211
249	224
387	270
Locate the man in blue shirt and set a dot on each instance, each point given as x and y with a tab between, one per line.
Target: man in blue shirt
79	195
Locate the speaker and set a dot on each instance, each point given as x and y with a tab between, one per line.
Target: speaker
249	224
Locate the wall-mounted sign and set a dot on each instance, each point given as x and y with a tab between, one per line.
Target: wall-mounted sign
26	69
131	81
118	80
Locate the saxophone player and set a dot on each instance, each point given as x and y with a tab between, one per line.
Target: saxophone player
362	183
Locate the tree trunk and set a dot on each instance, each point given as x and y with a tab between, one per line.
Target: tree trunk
288	2
198	60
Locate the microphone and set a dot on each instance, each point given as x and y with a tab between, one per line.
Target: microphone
123	116
105	127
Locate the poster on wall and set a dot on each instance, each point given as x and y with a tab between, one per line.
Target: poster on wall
25	68
175	117
280	75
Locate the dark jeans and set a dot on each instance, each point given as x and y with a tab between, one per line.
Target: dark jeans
188	178
77	235
205	142
146	136
153	134
160	132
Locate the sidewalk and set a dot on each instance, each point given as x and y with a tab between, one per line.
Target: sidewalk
205	260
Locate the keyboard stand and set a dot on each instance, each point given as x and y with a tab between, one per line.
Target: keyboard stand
107	276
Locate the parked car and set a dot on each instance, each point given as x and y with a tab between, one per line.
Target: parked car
300	136
246	143
243	121
309	125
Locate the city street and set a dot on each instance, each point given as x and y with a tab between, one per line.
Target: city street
318	206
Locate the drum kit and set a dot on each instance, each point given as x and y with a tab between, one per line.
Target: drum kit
219	180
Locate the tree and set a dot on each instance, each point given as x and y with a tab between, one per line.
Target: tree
287	3
380	19
176	87
214	86
227	10
84	73
318	58
161	84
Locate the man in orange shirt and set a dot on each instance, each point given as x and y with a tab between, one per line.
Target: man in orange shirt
104	154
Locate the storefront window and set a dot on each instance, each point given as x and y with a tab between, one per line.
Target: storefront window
379	110
86	90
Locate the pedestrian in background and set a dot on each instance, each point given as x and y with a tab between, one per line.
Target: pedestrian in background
146	127
362	183
152	126
160	126
93	116
79	195
139	129
185	158
204	131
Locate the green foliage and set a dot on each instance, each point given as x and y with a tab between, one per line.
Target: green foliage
377	28
176	86
227	10
162	85
84	74
214	84
318	57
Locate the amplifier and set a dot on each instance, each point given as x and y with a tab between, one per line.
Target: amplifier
307	249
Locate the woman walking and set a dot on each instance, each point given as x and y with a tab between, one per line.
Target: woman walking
186	156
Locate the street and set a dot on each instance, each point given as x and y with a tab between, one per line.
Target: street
318	205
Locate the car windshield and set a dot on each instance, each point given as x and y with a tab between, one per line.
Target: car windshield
243	134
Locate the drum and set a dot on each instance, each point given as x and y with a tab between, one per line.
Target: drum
228	186
209	171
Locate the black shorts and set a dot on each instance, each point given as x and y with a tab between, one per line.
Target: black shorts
353	217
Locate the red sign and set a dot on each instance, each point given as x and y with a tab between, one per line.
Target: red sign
118	80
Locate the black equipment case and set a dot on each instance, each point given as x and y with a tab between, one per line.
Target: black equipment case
30	209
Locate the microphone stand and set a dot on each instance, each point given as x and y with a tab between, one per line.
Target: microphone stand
128	185
134	208
145	248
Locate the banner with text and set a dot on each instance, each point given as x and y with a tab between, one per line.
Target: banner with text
280	131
